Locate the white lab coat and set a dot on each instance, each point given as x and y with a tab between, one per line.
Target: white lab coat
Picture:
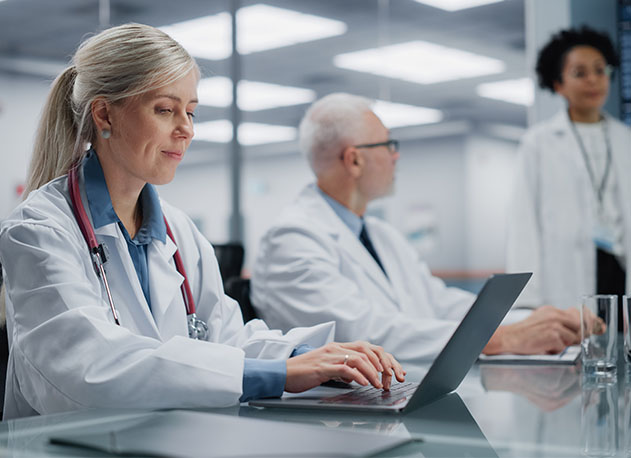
552	212
311	268
66	353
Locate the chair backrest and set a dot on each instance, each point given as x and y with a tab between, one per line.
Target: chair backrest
239	289
230	259
4	352
4	362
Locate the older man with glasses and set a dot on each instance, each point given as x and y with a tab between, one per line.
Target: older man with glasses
323	260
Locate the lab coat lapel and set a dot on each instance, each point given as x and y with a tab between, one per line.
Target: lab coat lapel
393	265
134	314
165	286
130	300
574	156
358	251
351	244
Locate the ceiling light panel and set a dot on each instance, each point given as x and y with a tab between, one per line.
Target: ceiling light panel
261	27
420	62
249	133
252	95
206	37
520	91
455	5
399	115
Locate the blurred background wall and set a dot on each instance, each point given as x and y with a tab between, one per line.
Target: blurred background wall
459	113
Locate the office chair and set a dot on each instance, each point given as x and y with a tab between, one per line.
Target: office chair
239	289
4	354
230	259
4	362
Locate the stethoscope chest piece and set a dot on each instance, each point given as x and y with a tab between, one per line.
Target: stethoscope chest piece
197	329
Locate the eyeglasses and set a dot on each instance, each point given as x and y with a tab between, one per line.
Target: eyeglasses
581	73
392	145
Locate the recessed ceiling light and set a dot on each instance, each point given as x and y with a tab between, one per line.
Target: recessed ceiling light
261	27
253	95
420	62
250	133
207	37
454	5
399	114
520	91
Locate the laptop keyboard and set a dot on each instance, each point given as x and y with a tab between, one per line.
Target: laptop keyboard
368	395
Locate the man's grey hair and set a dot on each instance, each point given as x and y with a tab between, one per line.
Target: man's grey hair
330	125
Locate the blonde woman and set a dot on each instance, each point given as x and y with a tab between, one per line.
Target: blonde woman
159	332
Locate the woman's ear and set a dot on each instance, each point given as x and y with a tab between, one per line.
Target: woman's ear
100	110
558	87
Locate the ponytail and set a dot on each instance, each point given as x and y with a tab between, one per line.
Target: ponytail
57	143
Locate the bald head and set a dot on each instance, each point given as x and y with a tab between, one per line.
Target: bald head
330	125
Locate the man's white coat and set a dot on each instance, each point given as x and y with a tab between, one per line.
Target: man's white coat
311	268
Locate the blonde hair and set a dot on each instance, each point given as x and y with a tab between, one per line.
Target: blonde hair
116	64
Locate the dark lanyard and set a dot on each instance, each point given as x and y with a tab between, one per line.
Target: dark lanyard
598	189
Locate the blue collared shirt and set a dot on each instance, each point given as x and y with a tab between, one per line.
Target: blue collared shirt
261	378
349	218
103	213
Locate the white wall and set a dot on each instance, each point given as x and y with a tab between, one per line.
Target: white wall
21	101
543	19
203	193
268	185
430	182
489	178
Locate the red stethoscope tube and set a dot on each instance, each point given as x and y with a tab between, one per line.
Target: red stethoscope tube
197	328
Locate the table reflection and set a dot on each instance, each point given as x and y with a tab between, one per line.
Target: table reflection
446	427
625	422
599	417
501	410
547	387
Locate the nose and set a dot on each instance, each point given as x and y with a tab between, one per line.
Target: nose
592	77
184	127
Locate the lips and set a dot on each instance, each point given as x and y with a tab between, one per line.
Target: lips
174	155
594	94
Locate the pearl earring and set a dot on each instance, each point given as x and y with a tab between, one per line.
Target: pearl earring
105	134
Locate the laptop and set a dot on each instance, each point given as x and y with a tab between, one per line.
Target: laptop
446	372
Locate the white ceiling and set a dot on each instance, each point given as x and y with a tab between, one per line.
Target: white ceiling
37	37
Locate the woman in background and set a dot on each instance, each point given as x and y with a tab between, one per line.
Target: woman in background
571	210
130	94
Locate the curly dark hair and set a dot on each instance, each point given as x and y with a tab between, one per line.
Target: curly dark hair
551	57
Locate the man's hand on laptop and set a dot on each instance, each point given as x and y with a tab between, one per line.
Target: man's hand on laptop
547	330
357	361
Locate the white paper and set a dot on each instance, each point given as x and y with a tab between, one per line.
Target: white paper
568	356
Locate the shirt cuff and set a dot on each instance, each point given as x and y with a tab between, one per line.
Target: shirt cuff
263	378
301	350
